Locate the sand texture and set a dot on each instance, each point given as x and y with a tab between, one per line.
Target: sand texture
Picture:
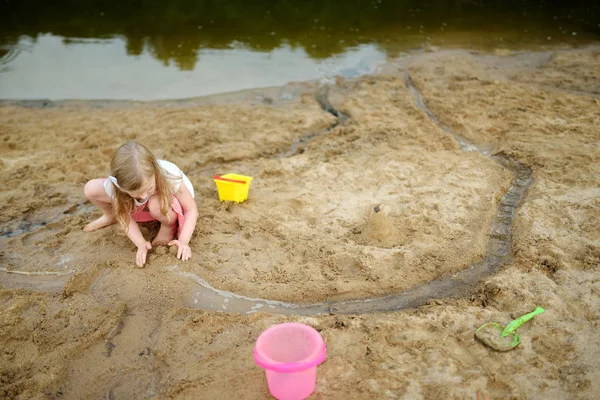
376	205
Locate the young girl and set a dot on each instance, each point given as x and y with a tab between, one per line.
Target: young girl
141	188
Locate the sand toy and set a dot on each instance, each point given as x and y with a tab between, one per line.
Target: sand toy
233	187
290	353
504	338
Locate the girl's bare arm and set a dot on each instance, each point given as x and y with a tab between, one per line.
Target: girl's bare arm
135	235
190	211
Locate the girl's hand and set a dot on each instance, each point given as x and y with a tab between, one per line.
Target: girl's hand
140	258
184	252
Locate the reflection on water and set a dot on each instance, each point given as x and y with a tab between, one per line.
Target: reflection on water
117	40
102	70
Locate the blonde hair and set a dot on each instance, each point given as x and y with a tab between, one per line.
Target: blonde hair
131	165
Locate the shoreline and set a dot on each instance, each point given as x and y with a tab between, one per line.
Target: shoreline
287	93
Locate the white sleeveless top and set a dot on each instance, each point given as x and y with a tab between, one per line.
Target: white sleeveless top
173	174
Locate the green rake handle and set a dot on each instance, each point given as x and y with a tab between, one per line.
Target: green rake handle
516	324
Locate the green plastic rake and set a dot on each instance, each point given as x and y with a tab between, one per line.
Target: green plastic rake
504	338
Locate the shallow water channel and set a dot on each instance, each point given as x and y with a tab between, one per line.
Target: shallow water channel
461	284
156	50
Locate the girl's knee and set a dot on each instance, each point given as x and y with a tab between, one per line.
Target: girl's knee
154	207
94	189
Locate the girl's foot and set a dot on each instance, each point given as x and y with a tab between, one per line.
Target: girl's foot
101	222
166	233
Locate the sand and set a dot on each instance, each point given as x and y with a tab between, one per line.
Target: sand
377	205
490	334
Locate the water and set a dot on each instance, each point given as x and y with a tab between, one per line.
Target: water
103	49
27	225
92	69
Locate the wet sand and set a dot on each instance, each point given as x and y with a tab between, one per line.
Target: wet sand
377	205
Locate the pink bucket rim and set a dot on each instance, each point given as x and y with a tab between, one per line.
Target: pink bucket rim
312	360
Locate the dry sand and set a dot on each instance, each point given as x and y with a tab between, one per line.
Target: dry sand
79	321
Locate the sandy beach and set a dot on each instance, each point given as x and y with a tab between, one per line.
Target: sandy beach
377	203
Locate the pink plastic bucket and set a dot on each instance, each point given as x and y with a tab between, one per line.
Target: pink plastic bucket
290	353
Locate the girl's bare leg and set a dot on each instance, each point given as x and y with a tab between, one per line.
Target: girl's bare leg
94	191
168	223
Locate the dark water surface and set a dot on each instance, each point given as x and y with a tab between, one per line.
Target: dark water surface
106	49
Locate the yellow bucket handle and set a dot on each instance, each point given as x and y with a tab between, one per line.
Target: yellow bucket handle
229	180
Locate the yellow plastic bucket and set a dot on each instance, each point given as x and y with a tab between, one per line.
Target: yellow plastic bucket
233	187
